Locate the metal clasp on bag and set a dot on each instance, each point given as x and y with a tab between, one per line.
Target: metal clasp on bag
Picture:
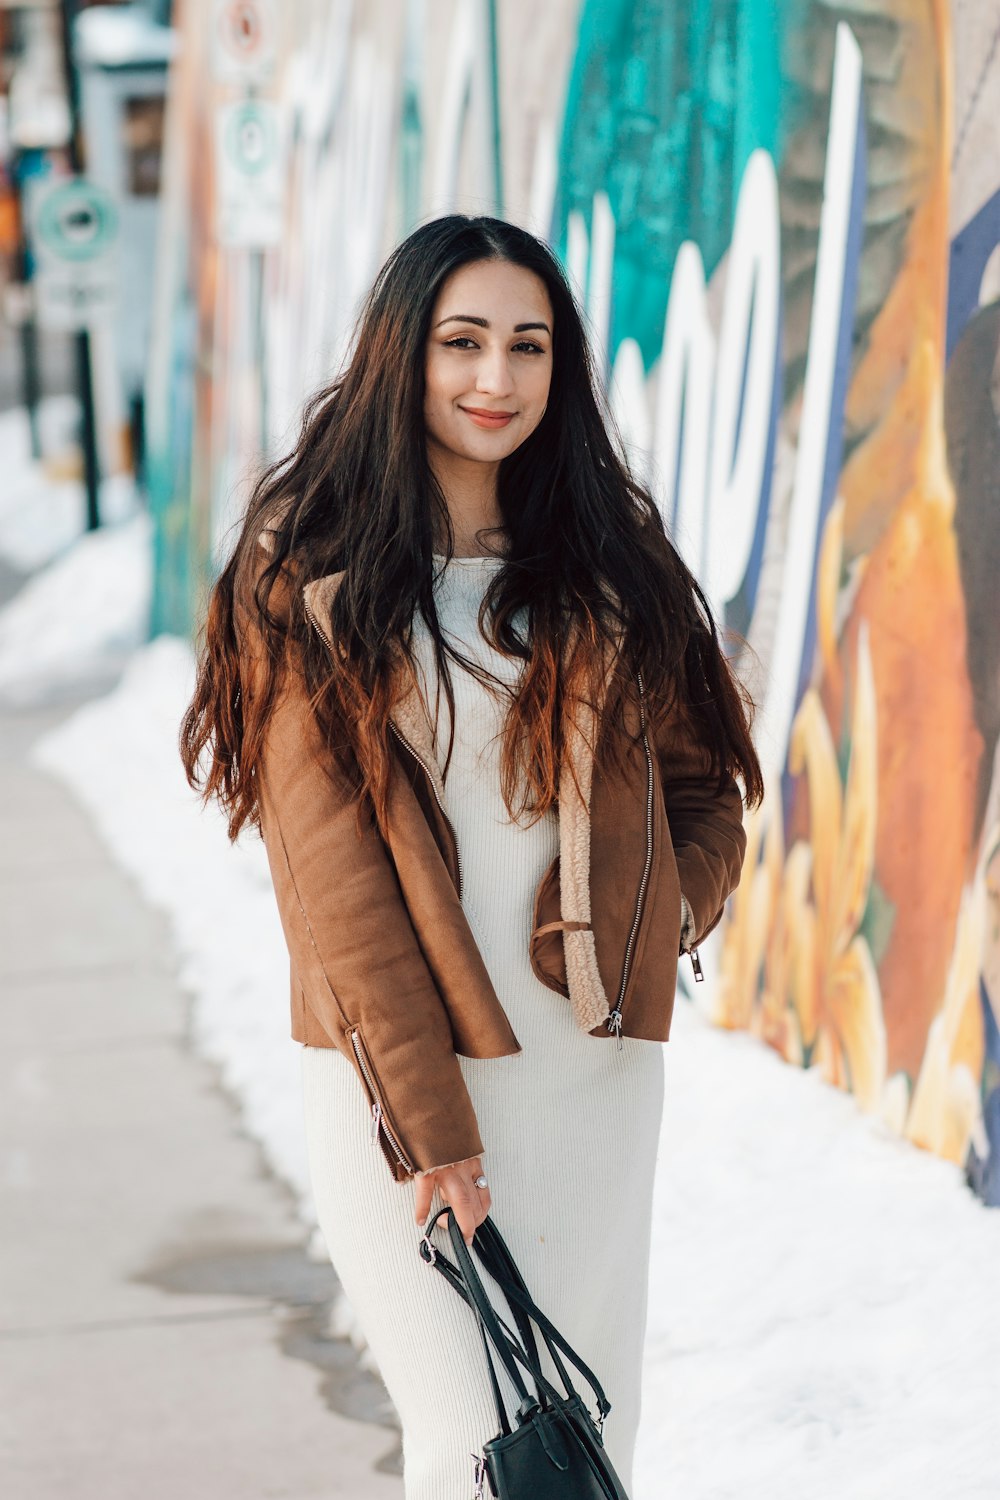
603	1407
428	1250
479	1476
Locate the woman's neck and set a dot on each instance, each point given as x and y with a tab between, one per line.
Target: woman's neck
470	492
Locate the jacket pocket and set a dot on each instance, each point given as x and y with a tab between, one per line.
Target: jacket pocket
546	953
381	1128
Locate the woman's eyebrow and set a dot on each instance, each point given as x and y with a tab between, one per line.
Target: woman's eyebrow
484	322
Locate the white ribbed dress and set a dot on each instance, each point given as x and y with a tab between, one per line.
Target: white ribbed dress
569	1125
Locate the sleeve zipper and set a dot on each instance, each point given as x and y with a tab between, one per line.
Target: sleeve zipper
379	1123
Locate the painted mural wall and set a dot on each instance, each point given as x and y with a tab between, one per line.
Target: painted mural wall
783	219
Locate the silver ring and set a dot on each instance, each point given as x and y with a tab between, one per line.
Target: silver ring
480	1181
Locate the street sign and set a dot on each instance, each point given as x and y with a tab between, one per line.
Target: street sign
250	160
244	40
73	234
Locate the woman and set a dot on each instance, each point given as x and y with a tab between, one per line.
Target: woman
465	686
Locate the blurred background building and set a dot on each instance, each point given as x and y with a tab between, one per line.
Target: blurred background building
783	219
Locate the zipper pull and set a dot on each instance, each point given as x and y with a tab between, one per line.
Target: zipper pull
376	1118
696	965
615	1024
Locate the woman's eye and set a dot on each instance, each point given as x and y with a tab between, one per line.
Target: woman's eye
463	338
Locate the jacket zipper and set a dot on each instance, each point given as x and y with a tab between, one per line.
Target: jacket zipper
437	795
614	1021
316	623
689	948
378	1117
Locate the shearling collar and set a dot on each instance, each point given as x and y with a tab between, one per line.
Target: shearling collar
412	719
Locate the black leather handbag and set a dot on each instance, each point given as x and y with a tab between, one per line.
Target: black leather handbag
555	1448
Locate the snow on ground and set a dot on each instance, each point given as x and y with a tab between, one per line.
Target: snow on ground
41	513
824	1318
81	617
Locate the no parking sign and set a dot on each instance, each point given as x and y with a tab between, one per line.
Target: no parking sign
73	229
250	158
244	40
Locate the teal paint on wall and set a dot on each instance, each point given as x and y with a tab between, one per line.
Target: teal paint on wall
664	106
170	484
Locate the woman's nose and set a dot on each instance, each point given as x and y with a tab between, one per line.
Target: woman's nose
494	374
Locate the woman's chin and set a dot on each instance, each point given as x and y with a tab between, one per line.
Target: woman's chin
488	448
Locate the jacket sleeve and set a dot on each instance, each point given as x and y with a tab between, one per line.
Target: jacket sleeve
706	826
352	944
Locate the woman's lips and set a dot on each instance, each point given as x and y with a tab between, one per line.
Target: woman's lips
488	418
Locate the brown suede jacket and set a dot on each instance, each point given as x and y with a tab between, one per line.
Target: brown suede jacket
384	965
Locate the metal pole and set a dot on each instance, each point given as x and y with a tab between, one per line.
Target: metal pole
31	381
91	470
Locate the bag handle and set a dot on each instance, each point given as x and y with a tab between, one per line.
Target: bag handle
530	1407
466	1281
490	1256
503	1268
501	1265
436	1258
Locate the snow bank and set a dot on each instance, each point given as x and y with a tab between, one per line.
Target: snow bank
81	617
824	1317
41	514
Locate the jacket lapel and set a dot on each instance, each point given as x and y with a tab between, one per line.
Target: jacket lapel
409	714
583	978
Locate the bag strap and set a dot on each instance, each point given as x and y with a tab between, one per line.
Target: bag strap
555	1399
503	1268
501	1265
465	1279
490	1257
436	1258
494	1382
530	1408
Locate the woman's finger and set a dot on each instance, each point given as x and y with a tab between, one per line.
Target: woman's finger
422	1202
458	1189
465	1213
462	1197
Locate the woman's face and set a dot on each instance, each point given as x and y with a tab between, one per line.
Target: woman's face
489	360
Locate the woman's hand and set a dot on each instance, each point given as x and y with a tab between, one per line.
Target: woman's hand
457	1187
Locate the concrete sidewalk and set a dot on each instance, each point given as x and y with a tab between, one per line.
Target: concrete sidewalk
160	1324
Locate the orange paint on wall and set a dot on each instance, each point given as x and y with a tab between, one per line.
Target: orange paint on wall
929	750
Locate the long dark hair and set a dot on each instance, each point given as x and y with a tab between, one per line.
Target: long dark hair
586	555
